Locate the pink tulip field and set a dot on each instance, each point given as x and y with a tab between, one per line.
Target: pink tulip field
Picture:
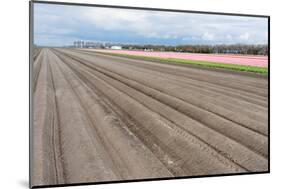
247	60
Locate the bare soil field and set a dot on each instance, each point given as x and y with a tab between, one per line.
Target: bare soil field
104	118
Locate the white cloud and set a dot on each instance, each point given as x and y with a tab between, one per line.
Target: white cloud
245	36
144	23
208	36
229	37
184	26
75	21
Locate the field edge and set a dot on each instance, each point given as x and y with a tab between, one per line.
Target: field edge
235	67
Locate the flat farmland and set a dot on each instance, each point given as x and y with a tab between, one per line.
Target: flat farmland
99	117
249	60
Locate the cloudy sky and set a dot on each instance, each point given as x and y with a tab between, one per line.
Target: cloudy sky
56	25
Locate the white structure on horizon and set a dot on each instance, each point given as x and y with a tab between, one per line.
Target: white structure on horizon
78	44
116	47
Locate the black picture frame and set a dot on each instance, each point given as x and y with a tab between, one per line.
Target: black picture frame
31	40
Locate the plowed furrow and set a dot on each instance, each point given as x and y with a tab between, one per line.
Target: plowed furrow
103	118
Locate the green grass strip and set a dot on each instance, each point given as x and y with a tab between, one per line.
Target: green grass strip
236	67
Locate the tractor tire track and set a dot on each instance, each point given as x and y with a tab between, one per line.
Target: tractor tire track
103	118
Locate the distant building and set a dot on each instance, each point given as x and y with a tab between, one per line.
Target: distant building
116	47
148	50
78	44
87	44
90	44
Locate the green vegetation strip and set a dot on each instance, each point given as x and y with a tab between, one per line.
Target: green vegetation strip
237	67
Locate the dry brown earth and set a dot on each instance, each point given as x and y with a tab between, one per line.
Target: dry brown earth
104	118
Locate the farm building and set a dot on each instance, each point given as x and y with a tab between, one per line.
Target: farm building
116	47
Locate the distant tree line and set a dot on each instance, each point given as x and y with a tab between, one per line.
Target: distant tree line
223	49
